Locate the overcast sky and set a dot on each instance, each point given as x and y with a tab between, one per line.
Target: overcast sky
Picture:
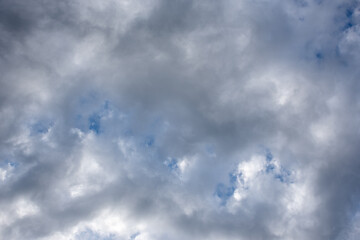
173	120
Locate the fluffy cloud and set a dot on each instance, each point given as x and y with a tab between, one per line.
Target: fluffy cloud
179	119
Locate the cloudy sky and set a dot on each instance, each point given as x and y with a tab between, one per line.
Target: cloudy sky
173	120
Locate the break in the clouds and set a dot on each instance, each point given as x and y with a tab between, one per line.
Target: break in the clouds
172	120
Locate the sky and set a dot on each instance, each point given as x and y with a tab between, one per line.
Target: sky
172	120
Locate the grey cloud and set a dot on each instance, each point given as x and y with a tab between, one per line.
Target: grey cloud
207	84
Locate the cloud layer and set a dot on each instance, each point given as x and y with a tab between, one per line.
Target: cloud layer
179	119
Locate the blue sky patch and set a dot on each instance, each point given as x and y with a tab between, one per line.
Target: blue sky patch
319	55
94	119
269	155
224	193
91	235
94	123
8	163
279	172
149	141
284	175
171	163
40	127
90	110
270	167
349	12
347	26
133	236
232	178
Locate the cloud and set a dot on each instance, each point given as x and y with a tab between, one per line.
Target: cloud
179	120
